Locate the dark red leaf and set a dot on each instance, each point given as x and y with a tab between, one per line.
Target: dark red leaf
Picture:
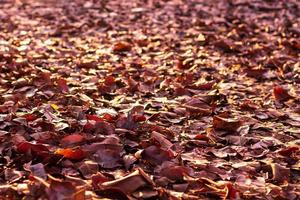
94	118
98	179
105	128
280	93
138	118
30	117
255	72
122	46
184	64
174	172
155	156
62	85
109	81
232	193
288	151
248	105
34	149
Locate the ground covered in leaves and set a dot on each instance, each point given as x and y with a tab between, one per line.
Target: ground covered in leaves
186	99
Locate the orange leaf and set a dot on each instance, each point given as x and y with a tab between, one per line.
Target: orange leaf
72	154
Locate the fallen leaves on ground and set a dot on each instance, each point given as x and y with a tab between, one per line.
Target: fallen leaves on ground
149	99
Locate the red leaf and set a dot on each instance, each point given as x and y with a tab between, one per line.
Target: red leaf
160	139
30	117
162	130
33	149
288	151
108	117
138	118
109	80
202	137
107	153
87	64
232	193
62	85
280	93
72	154
94	118
88	127
72	139
25	147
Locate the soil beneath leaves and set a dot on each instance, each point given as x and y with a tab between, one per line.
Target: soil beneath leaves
187	99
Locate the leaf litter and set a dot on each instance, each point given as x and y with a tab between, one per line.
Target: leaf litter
149	99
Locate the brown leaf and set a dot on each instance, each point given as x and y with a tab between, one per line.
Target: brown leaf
156	155
88	168
122	46
174	172
280	173
131	182
61	190
227	124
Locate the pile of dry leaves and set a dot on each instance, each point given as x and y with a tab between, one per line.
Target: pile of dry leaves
149	99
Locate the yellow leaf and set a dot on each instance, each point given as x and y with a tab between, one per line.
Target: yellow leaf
54	106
